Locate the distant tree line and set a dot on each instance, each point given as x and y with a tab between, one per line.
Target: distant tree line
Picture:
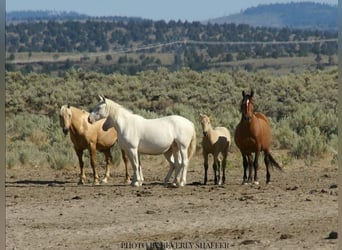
107	36
95	35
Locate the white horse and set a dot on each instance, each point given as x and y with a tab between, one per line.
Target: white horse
174	136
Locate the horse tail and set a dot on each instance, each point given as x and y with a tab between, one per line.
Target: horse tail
192	146
274	163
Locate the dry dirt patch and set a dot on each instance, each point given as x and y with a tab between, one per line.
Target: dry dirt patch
45	209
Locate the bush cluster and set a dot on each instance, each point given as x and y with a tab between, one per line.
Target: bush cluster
302	107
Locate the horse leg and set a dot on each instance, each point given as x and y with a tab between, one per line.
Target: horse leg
267	163
219	172
168	156
205	156
92	153
109	161
256	166
178	168
125	159
79	153
245	166
223	168
141	177
216	169
184	166
134	159
250	167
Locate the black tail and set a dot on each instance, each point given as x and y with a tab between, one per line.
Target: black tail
274	163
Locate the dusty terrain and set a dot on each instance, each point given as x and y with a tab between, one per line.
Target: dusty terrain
45	209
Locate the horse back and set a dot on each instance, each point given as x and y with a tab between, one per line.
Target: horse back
222	132
265	135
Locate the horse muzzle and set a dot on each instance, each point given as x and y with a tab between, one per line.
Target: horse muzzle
65	130
247	118
92	118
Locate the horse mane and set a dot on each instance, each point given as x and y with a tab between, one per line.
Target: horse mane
68	106
114	108
62	109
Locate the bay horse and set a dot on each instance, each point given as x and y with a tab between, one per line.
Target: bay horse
174	136
253	135
215	141
91	137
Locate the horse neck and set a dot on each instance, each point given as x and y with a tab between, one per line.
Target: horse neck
252	124
209	128
118	113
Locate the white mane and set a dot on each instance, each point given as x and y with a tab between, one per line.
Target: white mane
114	109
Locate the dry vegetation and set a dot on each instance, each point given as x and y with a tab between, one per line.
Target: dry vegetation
302	107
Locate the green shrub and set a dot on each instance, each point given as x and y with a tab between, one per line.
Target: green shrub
311	144
302	107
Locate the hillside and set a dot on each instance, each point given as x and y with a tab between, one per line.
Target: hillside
304	15
48	15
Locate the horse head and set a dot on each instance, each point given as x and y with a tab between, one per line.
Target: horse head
100	110
65	115
247	105
205	122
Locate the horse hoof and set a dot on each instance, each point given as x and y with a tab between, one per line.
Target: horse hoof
80	183
256	183
173	185
136	184
105	181
182	184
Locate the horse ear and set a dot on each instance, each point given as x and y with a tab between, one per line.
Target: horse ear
243	93
252	93
68	105
101	98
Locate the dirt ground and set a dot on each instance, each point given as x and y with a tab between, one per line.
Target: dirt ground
46	209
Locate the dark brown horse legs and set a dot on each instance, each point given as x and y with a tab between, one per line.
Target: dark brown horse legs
205	169
245	167
250	168
216	172
249	164
223	169
267	163
256	161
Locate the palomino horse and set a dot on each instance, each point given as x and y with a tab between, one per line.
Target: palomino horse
216	141
174	136
89	136
253	135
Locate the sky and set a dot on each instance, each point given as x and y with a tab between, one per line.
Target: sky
190	10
